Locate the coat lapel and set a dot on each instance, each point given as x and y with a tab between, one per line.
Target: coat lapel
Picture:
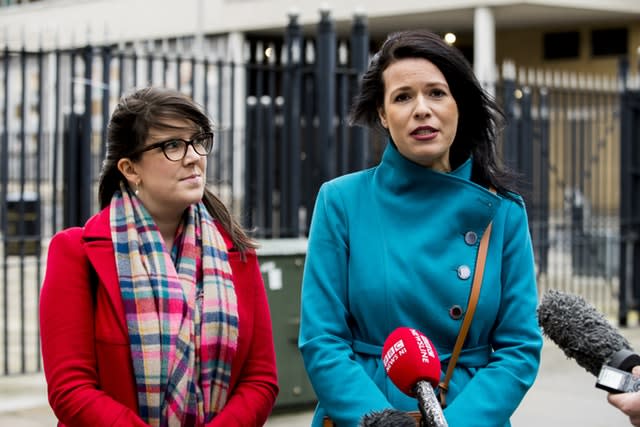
99	249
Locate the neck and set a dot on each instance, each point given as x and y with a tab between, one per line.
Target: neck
167	228
166	219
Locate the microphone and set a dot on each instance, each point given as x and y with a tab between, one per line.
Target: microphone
387	418
412	364
585	335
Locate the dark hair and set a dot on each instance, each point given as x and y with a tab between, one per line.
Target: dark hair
479	116
133	117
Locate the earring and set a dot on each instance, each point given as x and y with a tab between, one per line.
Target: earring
137	192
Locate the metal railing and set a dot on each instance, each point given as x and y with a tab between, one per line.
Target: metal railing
280	112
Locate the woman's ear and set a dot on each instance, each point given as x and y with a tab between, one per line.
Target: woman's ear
128	169
382	116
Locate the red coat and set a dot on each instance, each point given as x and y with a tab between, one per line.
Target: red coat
85	344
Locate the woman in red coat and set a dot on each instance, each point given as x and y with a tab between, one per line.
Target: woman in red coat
155	313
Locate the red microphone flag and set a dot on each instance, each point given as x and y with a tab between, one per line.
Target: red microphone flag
408	357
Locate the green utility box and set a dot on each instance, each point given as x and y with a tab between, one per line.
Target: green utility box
281	263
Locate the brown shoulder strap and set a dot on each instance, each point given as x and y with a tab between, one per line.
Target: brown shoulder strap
468	316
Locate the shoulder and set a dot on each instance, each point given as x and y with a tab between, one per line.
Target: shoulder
514	203
68	237
350	180
341	190
513	213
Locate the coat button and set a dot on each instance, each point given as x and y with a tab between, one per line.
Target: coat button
455	312
464	272
470	238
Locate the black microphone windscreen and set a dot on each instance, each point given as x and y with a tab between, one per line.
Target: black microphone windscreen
581	332
387	418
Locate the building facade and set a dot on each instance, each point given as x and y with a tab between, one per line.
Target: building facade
570	35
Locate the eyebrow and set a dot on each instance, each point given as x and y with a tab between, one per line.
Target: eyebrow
155	139
430	85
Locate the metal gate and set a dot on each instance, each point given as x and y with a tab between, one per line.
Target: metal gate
282	130
574	140
630	204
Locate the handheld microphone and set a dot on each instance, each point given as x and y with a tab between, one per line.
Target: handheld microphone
586	336
412	363
387	418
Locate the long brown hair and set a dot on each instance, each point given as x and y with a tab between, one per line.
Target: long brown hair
128	129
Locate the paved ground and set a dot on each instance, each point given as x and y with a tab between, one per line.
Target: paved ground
563	396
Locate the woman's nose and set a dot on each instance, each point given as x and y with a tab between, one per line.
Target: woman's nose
422	107
191	155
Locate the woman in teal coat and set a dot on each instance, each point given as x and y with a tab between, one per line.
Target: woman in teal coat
396	245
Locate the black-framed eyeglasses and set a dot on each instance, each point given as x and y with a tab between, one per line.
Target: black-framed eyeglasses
175	149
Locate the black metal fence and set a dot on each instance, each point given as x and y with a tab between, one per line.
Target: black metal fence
569	148
280	110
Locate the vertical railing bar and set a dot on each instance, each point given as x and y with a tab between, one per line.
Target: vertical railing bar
106	95
232	131
56	140
220	117
85	159
4	178
134	66
178	64
192	78
121	60
260	221
21	204
270	149
38	207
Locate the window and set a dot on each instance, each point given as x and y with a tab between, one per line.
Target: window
611	41
562	45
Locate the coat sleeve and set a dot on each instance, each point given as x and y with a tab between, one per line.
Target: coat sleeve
68	340
254	394
516	338
343	388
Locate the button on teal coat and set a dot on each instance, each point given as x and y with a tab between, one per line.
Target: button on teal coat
387	248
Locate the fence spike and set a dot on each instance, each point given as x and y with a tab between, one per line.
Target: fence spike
325	10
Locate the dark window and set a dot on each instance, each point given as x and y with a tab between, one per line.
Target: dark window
612	41
562	45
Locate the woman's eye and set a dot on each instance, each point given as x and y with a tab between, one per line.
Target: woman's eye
438	92
401	97
173	144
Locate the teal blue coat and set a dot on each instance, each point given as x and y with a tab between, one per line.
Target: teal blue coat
394	246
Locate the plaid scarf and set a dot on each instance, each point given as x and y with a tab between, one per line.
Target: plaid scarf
181	312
